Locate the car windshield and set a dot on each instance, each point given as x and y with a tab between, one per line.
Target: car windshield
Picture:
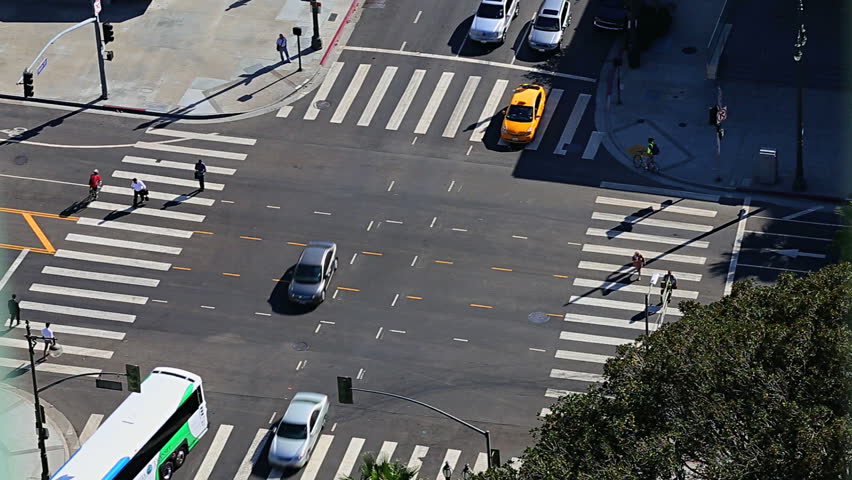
520	113
307	273
292	430
487	10
547	24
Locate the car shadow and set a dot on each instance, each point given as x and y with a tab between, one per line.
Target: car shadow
279	301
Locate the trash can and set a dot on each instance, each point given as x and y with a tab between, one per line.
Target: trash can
766	166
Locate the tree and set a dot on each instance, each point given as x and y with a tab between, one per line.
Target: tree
755	386
384	469
841	245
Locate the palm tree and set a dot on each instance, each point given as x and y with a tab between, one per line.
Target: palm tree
383	469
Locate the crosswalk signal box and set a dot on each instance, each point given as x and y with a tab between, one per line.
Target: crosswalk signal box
344	390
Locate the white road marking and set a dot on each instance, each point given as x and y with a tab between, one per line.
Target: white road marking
202	152
402	47
386	452
273	206
608	322
91	426
323	90
13	267
649	255
461	107
83	293
452	184
417	18
208	307
803	212
326	322
549	108
582	357
66	349
416	460
379	333
111	242
735	250
433	222
414	141
414	261
360	375
169	197
284	111
320	451
661	191
271	418
655	206
395	222
390	187
47	367
459	230
592	145
519	237
182	182
354	256
481	464
774	268
795	221
397	331
127	262
336	291
620	305
651	222
461	340
151	212
376	97
469	148
81	331
322	213
489	110
395	298
537	349
599	339
556	393
263	314
134	227
755	232
350	457
434	102
155	162
451	458
572	123
77	312
210	137
612	268
302	363
354	86
101	277
370	225
215	450
633	288
227	201
405	100
252	455
159	301
545	412
642	237
334	426
316	330
792	252
576	376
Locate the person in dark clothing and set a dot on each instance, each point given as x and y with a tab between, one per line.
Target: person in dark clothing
14	311
667	286
200	171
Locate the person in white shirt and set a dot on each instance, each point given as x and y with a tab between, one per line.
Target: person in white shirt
49	338
140	191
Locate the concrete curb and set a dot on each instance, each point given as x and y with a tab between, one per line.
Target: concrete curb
56	420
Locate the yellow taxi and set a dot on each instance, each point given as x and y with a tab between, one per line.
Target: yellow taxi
524	114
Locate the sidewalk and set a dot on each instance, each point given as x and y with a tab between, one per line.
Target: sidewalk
182	57
19	454
668	98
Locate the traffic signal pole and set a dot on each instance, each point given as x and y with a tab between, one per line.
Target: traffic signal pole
100	48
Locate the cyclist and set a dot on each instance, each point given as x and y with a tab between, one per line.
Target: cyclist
652	149
95	183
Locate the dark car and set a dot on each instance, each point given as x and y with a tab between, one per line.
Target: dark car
611	15
313	273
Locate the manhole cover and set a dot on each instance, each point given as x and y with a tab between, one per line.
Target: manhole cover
689	50
538	317
300	346
21	159
323	105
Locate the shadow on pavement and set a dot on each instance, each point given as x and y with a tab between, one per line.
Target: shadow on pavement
279	301
69	11
75	207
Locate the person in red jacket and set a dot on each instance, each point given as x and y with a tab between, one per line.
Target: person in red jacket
95	183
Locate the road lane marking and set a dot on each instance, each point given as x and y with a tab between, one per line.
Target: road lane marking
572	123
273	206
395	222
323	90
284	111
101	277
395	298
203	152
738	244
156	162
390	187
537	349
350	457
451	458
500	269
452	184
581	357
577	376
263	314
649	255
297	244
397	331
642	237
445	262
215	450
402	47
111	242
370	226
668	192
520	237
481	464
460	339
651	222
118	208
377	254
127	262
592	145
755	232
608	322
66	349
627	268
349	289
134	227
81	331
321	213
803	212
209	137
376	98
417	17
379	333
549	108
476	305
801	221
208	307
182	268
560	276
655	206
77	312
414	261
252	455
386	452
12	268
489	110
434	102
459	229
599	339
620	305
627	287
556	393
354	86
251	238
360	375
773	268
461	107
434	219
416	460
84	293
412	297
230	274
405	100
168	197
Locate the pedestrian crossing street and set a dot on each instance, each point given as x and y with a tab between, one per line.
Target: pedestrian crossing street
606	308
459	106
107	269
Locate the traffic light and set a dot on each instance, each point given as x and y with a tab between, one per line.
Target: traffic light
344	389
134	382
28	84
109	35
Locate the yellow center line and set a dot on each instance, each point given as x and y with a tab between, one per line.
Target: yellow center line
276	279
480	306
555	315
297	244
23	247
231	274
202	232
181	268
349	289
444	262
499	269
39	233
412	297
561	276
38	214
373	253
250	238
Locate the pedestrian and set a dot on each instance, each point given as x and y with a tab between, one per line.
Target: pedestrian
652	149
669	284
638	263
140	191
200	171
49	338
14	311
281	46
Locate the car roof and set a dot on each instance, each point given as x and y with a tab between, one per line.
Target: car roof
313	254
301	406
550	5
525	94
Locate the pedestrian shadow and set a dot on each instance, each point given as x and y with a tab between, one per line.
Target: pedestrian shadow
118	214
237	4
178	201
74	207
280	302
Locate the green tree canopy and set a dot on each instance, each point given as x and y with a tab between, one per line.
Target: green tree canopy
755	386
383	469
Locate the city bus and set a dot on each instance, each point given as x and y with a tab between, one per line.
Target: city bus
148	436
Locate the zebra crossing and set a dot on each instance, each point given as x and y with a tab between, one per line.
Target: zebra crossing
109	266
606	296
450	100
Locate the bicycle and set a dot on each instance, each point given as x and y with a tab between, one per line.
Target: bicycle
641	159
93	193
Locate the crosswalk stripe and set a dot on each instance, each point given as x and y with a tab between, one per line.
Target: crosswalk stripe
599	339
627	268
203	152
209	137
592	146
434	102
651	222
633	288
643	237
112	242
101	277
318	455
545	411
91	427
386	452
284	111
182	182
490	109
354	86
66	349
377	96
572	123
350	457
656	206
649	256
582	357
451	458
127	262
549	108
481	464
557	393
84	293
322	91
151	212
134	227
77	312
667	192
608	322
169	197
620	305
252	455
416	460
80	331
156	162
213	453
47	367
577	376
405	100
461	107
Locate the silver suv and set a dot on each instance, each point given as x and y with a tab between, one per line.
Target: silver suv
549	24
313	273
492	19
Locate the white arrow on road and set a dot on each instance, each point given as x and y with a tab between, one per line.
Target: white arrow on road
793	252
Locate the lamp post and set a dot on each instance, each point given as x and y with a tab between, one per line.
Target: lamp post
41	432
316	41
801	39
447	471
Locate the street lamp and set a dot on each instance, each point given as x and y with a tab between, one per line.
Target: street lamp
447	470
801	40
41	432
